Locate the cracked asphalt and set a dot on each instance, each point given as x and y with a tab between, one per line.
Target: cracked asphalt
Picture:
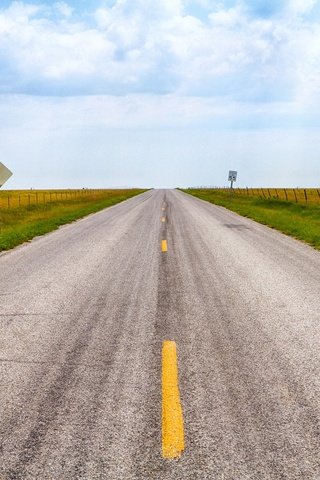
83	314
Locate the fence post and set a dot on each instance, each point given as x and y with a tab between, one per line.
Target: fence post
285	192
305	195
295	195
8	201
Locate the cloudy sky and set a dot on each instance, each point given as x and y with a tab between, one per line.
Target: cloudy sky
160	93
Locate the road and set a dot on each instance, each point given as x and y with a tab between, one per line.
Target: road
83	315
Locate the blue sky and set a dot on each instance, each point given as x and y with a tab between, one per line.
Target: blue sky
160	93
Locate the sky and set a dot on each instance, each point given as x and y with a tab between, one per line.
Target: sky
160	93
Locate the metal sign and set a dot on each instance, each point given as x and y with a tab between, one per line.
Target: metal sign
5	174
232	175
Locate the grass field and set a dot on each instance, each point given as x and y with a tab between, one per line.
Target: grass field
299	220
22	198
28	214
297	195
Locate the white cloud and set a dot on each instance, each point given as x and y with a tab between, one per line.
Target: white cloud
133	111
64	9
227	17
158	46
301	6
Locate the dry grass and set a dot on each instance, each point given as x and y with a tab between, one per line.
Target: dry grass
297	195
22	198
31	213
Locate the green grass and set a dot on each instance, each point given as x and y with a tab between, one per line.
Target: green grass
297	220
18	225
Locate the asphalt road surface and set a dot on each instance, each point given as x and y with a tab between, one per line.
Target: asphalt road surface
83	314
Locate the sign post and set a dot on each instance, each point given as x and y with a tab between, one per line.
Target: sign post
5	174
232	177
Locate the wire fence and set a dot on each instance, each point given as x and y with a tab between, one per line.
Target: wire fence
298	195
28	198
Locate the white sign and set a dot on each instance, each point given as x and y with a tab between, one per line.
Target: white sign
5	174
232	176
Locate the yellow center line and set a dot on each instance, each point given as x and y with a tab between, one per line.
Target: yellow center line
172	416
164	246
163	209
163	219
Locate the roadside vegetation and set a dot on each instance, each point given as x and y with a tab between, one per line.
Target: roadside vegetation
297	195
19	224
301	221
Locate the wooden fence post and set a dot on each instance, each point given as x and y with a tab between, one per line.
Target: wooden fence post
305	195
295	195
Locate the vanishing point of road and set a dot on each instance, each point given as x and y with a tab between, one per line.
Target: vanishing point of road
87	312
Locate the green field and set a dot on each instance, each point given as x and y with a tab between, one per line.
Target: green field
29	214
296	195
301	221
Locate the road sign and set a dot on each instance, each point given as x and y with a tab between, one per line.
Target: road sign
232	175
5	174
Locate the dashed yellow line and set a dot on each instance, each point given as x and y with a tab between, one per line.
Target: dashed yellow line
164	246
172	416
163	219
163	209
